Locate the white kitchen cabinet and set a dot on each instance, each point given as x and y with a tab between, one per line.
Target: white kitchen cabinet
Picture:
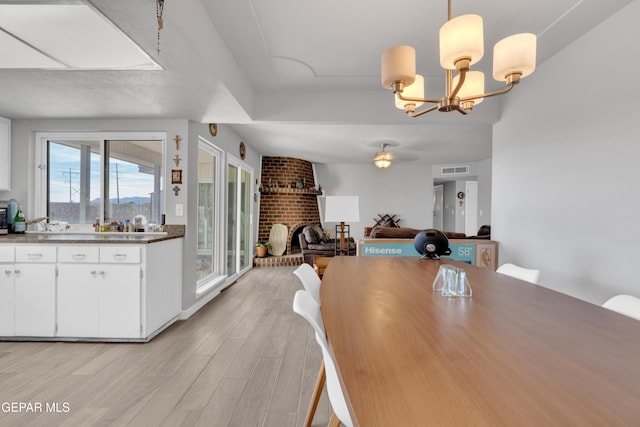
99	292
5	154
77	300
92	291
119	313
35	291
35	300
7	259
77	295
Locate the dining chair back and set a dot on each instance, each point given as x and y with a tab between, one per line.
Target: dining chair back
310	280
518	272
624	304
306	306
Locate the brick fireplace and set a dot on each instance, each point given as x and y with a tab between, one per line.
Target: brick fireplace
288	195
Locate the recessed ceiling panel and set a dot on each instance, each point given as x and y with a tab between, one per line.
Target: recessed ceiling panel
75	35
15	54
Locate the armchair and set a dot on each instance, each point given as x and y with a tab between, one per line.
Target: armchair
313	243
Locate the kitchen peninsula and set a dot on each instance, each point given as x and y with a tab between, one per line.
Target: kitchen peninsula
94	287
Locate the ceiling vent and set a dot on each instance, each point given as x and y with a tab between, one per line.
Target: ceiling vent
455	170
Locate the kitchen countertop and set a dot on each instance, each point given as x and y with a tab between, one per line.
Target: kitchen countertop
173	232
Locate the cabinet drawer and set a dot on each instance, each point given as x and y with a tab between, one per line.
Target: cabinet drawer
78	254
6	254
35	254
120	254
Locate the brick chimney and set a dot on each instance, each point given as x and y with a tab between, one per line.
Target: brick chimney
288	195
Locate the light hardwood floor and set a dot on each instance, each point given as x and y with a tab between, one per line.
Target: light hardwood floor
245	359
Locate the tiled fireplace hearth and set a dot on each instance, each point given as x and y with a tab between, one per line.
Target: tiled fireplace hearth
289	196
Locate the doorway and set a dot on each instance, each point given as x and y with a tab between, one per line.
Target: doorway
438	207
471	209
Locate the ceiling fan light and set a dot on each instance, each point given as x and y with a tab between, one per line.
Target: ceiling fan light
383	159
515	54
398	64
461	37
415	90
473	85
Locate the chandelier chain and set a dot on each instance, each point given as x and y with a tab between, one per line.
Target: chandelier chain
159	11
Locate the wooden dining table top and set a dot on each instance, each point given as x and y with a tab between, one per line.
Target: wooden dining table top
513	354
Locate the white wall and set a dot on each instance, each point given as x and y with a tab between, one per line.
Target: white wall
404	190
565	162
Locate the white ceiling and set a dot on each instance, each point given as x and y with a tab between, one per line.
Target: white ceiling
297	77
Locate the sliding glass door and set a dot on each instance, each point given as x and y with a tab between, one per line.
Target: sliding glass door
239	218
208	261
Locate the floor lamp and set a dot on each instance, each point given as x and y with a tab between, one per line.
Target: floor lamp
342	209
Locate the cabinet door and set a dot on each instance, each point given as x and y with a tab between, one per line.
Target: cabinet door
6	300
78	300
119	301
35	299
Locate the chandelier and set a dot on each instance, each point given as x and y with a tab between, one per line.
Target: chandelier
461	45
383	158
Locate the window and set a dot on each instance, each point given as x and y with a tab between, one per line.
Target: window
99	176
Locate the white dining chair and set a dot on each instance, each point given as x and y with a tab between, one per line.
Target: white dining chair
311	283
306	306
526	274
624	304
310	280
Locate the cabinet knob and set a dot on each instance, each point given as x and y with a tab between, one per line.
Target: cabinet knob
16	271
93	273
102	273
7	272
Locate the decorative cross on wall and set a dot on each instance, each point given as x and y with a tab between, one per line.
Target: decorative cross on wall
176	190
177	139
176	160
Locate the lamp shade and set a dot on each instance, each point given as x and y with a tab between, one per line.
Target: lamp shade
342	209
514	54
461	37
398	64
415	90
473	85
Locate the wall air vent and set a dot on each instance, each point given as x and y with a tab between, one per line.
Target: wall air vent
455	170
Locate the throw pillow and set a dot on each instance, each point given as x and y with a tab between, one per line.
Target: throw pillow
310	235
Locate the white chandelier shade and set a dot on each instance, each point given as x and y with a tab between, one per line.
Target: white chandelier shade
473	85
461	37
514	54
398	63
415	90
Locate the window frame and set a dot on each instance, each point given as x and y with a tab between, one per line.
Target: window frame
41	160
